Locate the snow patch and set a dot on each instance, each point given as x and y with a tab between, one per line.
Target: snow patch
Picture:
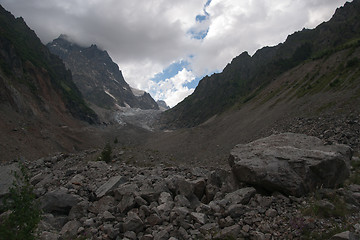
110	94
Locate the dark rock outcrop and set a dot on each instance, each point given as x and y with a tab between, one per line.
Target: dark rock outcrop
291	163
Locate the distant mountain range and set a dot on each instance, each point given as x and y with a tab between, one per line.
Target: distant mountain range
247	76
98	77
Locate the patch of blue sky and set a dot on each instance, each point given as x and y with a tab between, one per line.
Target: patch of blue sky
194	83
199	34
200	18
207	3
171	70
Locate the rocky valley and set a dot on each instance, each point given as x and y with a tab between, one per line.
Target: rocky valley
266	149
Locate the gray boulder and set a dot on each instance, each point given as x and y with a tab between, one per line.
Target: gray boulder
290	163
69	230
59	201
111	184
133	223
242	195
7	178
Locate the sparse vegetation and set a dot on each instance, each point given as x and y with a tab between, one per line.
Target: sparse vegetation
105	154
355	174
24	212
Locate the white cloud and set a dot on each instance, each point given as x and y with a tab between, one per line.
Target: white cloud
173	90
144	37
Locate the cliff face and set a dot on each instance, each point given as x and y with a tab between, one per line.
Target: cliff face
28	66
98	77
39	102
246	75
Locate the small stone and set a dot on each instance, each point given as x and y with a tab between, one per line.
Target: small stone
209	228
147	237
198	217
258	235
341	236
130	235
127	202
246	228
140	201
49	236
89	222
133	223
162	235
236	210
107	216
70	229
165	197
271	213
181	200
229	232
153	220
241	196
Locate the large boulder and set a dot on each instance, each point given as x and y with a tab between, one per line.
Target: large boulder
290	163
59	201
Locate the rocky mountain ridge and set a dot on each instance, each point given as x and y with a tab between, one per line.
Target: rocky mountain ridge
25	57
98	77
246	76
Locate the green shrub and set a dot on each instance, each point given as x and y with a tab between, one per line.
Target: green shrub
24	211
338	208
105	154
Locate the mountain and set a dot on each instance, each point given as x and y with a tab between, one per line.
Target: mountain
247	76
39	102
98	77
25	60
162	105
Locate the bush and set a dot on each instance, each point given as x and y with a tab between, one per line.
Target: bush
105	154
24	211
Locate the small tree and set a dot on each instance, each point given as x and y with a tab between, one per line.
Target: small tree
24	211
106	154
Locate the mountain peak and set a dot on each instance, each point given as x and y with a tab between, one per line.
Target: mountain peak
98	77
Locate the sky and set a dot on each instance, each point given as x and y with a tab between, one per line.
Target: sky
166	46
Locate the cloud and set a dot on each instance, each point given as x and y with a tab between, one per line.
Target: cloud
145	37
174	89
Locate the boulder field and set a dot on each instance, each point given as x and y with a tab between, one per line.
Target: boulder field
266	195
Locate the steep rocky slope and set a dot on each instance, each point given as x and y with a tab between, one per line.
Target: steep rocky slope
39	102
247	75
98	77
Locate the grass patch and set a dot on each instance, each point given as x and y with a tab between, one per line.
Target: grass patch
331	206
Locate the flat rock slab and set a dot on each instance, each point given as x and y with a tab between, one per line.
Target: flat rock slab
111	184
290	163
